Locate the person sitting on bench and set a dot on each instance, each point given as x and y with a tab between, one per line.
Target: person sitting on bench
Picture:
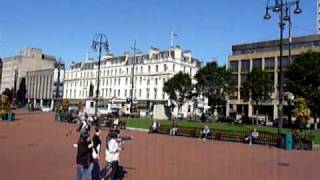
252	137
205	133
174	128
154	127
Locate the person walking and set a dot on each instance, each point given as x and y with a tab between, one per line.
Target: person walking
96	154
84	126
114	149
84	159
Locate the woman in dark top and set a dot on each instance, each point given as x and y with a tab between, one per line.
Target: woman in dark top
96	154
84	157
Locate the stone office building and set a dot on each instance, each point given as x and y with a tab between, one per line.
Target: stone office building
42	86
264	55
16	67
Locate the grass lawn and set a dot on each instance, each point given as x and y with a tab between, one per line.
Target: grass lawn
145	123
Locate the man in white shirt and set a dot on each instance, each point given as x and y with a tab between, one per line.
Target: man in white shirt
113	154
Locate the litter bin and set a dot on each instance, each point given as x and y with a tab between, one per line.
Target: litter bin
286	141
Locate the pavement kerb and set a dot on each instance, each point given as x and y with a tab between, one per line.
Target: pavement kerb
137	129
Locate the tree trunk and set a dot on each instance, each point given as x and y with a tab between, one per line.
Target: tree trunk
315	121
257	111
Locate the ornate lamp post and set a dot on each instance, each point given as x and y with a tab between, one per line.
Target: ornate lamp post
282	8
100	42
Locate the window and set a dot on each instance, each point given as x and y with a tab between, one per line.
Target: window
127	71
269	63
125	93
257	64
141	69
119	79
148	82
149	69
234	66
245	65
118	92
135	93
157	68
165	67
156	81
163	95
108	72
173	67
148	93
126	81
285	62
244	78
136	70
140	80
234	78
155	93
115	72
114	81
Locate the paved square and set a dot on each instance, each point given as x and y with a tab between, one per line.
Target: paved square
37	147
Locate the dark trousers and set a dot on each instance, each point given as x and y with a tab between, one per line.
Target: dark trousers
96	170
115	170
205	135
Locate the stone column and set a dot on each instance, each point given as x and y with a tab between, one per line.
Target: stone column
228	108
250	110
275	111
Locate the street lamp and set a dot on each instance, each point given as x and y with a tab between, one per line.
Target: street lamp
135	51
58	66
282	7
100	42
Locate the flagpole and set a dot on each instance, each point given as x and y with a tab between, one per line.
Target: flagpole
171	39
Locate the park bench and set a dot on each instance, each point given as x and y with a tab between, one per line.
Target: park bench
265	138
268	139
164	129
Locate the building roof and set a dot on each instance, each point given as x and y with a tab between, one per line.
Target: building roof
273	45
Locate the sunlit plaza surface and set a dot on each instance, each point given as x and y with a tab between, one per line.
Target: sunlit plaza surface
35	146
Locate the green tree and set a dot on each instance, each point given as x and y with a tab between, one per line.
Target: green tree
304	79
179	89
258	87
21	94
9	93
215	83
301	112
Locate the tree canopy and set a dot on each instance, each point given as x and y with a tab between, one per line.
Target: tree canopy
215	83
304	79
178	88
21	94
258	86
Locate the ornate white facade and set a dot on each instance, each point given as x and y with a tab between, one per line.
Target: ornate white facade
150	72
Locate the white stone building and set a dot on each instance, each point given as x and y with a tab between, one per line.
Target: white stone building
150	72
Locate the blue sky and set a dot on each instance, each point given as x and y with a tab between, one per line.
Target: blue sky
208	28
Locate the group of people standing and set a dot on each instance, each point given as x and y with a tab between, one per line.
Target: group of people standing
89	149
